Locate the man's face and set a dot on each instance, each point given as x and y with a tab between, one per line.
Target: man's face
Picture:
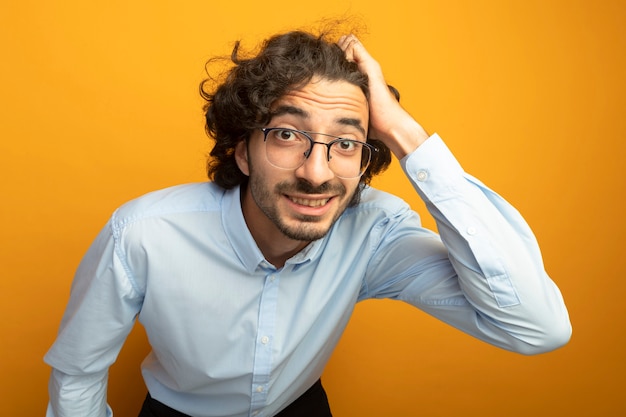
303	203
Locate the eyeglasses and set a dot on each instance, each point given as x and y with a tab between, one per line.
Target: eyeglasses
289	148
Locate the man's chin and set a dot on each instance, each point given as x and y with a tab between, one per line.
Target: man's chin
305	231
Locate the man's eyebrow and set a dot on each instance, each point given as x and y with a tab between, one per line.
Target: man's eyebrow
348	121
297	111
285	109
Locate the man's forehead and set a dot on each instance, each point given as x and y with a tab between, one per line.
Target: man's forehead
320	95
327	88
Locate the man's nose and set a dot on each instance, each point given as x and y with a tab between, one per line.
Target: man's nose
315	169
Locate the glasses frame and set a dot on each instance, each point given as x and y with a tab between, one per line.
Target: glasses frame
312	142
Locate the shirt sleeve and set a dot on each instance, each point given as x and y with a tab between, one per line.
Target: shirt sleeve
483	273
101	312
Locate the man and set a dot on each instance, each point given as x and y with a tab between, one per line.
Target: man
245	284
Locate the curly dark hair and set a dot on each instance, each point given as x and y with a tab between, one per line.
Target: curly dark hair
241	103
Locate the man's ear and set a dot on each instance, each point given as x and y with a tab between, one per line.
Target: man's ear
241	156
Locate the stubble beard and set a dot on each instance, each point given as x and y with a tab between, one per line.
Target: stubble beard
307	227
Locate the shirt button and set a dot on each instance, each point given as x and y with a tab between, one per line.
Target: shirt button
471	231
259	389
422	175
265	340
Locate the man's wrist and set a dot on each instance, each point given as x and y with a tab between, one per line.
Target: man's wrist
404	138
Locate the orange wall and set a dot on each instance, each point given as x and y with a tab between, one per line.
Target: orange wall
99	104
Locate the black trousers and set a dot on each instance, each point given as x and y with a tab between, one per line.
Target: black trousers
313	403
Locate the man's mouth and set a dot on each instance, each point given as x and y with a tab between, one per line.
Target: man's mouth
309	202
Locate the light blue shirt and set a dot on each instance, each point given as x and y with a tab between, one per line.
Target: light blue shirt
231	335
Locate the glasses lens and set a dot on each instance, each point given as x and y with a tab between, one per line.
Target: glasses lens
286	148
349	158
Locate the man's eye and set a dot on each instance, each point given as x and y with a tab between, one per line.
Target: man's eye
346	145
285	135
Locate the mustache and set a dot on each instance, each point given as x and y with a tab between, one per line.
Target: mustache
305	187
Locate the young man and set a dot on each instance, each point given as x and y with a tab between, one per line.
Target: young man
244	284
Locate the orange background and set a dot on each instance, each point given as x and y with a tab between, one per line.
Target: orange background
99	105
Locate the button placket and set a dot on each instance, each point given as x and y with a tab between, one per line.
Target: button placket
263	349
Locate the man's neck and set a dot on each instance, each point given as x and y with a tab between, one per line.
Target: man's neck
279	257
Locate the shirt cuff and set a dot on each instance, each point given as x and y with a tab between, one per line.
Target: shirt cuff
434	170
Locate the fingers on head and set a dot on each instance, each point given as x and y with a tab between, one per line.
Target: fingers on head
346	41
347	44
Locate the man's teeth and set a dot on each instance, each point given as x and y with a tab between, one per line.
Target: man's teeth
310	203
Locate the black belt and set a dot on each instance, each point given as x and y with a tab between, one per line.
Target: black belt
313	403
